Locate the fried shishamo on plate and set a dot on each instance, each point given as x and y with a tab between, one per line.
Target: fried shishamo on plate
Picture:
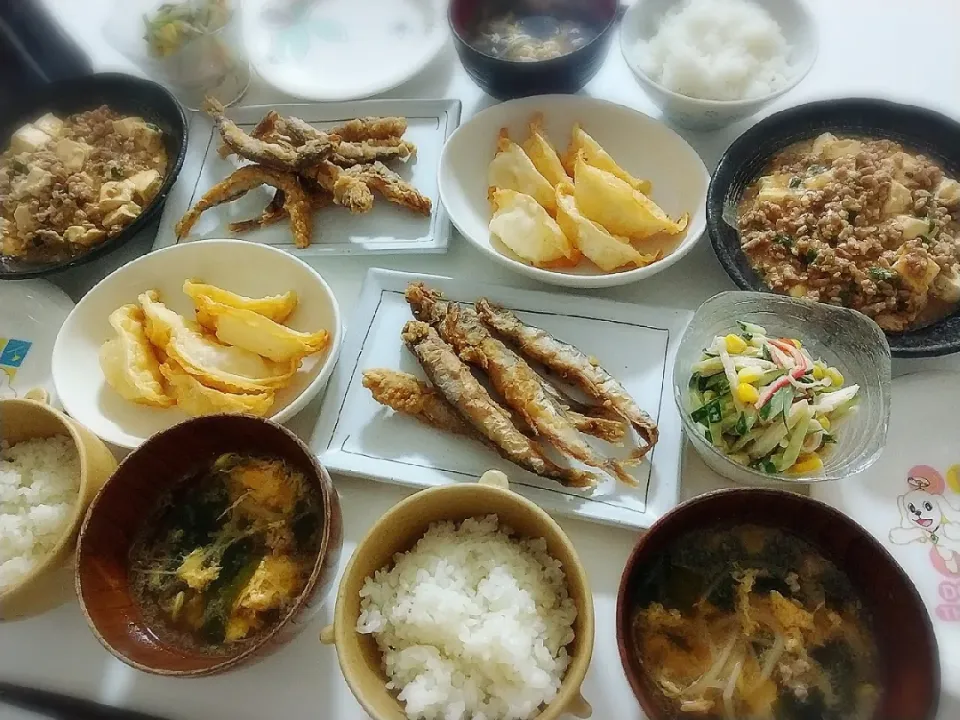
552	211
523	412
311	169
233	358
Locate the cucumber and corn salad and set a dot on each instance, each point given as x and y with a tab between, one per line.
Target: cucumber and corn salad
765	403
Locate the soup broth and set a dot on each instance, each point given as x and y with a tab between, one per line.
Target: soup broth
532	36
753	622
227	552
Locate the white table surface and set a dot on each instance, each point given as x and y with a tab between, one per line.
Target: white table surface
901	49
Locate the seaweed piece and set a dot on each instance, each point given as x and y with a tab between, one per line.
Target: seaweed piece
837	660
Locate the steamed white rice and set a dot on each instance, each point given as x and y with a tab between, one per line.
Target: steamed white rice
39	486
472	623
717	50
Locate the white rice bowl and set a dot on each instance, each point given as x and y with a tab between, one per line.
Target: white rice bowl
39	489
717	50
472	623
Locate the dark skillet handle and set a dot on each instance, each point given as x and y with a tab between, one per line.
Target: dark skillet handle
64	707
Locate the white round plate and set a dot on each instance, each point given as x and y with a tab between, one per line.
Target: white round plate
639	144
31	313
910	501
342	49
245	268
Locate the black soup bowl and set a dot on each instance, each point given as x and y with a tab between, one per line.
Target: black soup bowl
917	129
125	94
507	79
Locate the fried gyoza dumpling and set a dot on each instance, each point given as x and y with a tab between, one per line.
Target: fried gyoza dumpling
276	307
605	251
595	155
258	334
528	230
129	363
543	154
230	369
196	399
618	207
512	169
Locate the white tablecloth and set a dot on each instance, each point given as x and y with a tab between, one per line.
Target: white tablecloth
902	49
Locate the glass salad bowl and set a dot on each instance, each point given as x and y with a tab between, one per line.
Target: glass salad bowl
843	339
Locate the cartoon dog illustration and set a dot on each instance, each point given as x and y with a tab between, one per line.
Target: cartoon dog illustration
926	516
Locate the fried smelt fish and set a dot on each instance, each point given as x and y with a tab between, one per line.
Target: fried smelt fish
572	365
604	250
296	201
266	127
524	226
274	155
595	155
197	400
614	204
348	190
511	376
371	128
218	366
408	395
543	154
248	330
349	153
512	169
457	384
129	363
275	307
272	213
394	188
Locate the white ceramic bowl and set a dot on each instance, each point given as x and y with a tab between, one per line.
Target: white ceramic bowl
641	145
641	23
245	268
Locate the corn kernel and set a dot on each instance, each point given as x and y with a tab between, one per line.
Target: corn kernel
747	393
824	422
807	464
735	343
749	375
818	372
836	378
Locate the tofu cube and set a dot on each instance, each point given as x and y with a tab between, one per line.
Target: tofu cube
115	193
72	154
49	124
123	215
79	235
947	287
145	183
948	192
34	183
899	199
911	227
24	219
916	274
28	139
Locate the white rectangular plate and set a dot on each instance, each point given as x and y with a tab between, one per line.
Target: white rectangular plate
357	436
387	229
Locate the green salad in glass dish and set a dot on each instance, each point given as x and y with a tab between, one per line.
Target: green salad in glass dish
765	403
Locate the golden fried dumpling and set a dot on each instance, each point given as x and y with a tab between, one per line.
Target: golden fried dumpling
614	204
276	307
196	399
605	251
219	366
512	169
595	155
259	334
527	229
128	360
543	154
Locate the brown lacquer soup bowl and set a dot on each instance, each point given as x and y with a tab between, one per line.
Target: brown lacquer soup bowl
120	513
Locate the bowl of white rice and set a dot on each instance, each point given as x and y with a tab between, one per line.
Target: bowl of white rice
462	602
50	469
708	63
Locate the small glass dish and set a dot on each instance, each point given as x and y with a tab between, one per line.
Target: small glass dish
173	44
843	338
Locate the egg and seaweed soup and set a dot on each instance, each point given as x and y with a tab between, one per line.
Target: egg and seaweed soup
227	552
753	622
